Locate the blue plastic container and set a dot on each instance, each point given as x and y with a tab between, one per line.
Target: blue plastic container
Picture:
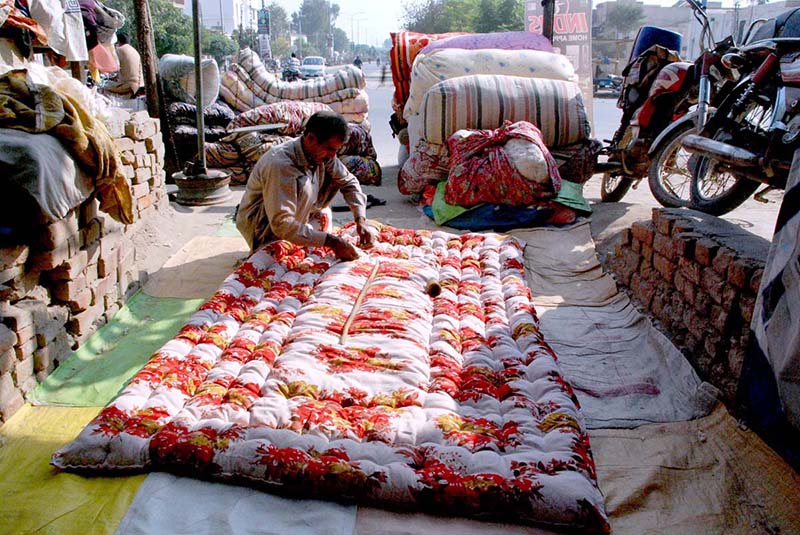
653	35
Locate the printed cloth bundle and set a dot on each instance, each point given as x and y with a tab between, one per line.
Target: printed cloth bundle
445	63
482	171
346	380
247	84
177	74
476	102
239	152
217	114
405	47
496	40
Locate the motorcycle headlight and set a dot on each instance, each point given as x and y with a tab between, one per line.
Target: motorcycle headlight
733	60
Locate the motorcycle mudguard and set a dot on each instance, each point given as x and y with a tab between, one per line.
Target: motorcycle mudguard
655	146
670	79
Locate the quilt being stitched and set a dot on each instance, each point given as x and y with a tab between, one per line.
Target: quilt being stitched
348	380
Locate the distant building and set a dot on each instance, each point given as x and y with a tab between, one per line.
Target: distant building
226	15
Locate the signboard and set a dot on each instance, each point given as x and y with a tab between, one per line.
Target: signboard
264	48
263	22
572	37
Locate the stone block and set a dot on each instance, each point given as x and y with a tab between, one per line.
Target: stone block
722	260
755	280
740	271
681	226
20	286
15	317
26	334
15	255
8	338
685	243
128	171
83	323
644	232
127	157
50	258
696	323
46	358
665	246
11	405
647	254
8	359
712	343
702	302
140	190
629	265
154	143
714	285
68	290
50	236
139	148
746	305
664	221
24	369
142	175
92	231
140	131
26	349
718	317
636	245
83	300
72	267
141	160
691	270
704	251
49	327
124	144
665	267
643	290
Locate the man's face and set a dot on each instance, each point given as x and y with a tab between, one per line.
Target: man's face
317	152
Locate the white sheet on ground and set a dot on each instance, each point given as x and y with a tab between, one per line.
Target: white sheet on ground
180	505
624	371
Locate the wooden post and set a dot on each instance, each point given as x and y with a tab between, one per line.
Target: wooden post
144	32
547	19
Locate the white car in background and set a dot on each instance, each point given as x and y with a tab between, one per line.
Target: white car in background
313	66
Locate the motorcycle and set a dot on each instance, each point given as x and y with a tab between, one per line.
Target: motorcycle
291	73
659	93
750	139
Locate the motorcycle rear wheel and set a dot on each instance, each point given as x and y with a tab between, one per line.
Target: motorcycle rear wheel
670	176
717	191
614	187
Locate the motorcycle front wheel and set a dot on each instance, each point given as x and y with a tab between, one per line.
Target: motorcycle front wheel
614	187
670	176
716	190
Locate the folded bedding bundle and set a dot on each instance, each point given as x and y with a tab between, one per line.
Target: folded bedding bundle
494	40
216	114
555	107
443	64
247	84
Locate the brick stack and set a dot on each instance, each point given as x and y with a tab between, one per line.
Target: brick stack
77	272
700	290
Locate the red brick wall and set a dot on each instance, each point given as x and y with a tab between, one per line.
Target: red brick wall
701	291
76	273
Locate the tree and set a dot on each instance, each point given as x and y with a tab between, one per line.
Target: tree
279	21
218	45
315	20
340	40
623	18
246	38
439	16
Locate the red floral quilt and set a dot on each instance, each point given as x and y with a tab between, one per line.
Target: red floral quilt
348	380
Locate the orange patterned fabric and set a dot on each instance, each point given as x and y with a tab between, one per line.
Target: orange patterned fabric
405	47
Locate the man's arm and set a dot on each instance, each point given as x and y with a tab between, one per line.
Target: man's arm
348	184
280	205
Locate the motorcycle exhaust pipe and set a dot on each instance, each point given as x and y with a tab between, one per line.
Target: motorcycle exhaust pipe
725	153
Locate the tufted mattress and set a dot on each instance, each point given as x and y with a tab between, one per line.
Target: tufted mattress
347	380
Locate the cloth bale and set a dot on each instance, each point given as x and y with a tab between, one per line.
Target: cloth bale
428	164
217	114
177	73
293	113
366	169
497	40
486	101
443	64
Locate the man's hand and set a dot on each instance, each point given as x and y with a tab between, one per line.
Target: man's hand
366	233
341	248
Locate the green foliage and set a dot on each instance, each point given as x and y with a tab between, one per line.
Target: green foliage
247	38
475	16
340	40
279	23
623	18
218	45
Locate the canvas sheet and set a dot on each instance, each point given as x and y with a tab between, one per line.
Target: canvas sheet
36	499
379	397
624	371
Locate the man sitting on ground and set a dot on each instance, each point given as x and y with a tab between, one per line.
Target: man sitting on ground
130	77
292	186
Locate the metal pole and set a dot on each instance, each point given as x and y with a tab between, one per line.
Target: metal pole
547	19
200	165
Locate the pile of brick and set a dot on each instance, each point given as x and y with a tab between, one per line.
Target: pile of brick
77	272
701	290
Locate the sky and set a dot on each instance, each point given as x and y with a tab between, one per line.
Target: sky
371	19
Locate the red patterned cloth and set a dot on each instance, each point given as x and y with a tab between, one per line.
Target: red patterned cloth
405	47
480	170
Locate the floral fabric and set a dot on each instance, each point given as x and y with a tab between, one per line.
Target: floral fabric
405	47
365	168
453	403
480	170
493	40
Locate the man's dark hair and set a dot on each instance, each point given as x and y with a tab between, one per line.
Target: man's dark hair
325	125
122	38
